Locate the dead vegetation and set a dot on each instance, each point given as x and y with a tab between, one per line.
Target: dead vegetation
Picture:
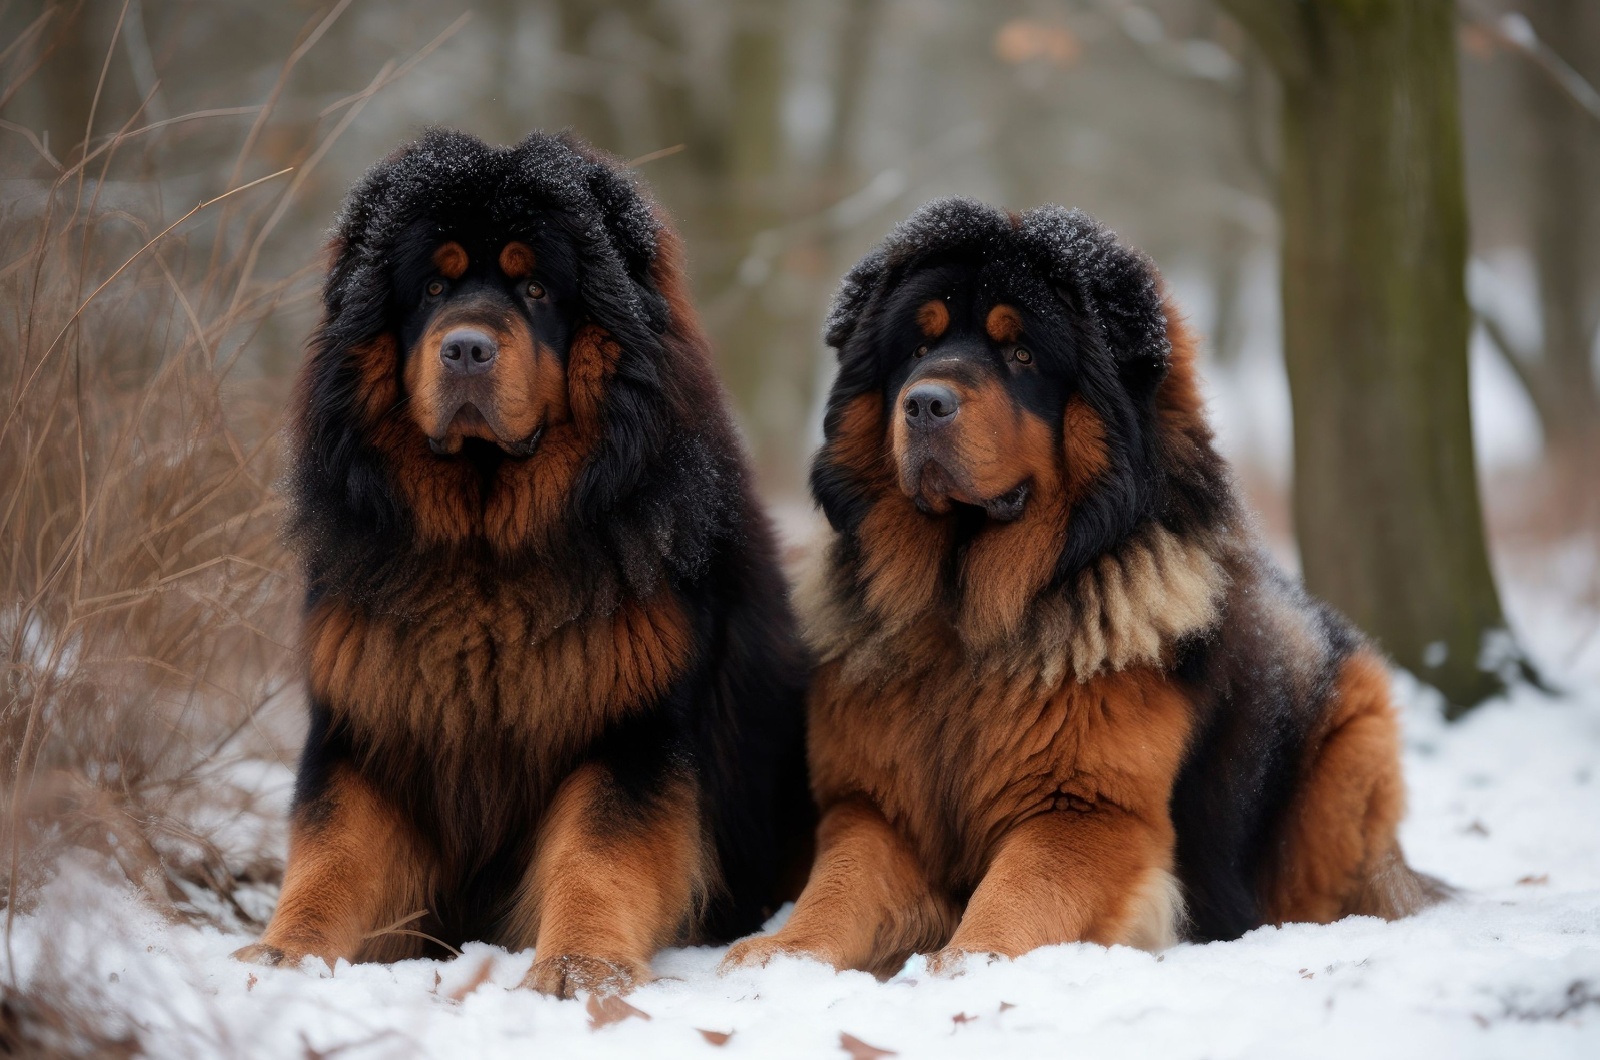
143	595
146	604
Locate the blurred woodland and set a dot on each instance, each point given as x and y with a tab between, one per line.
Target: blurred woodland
145	606
785	137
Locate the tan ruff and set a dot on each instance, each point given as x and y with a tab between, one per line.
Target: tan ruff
1129	609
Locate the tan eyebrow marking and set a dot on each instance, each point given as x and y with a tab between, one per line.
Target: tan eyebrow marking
1004	324
516	260
933	318
451	259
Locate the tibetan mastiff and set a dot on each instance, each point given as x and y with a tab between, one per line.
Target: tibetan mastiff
1060	693
556	688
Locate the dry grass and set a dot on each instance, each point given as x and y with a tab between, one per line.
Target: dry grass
143	596
146	604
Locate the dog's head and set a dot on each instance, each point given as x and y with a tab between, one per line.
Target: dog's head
507	355
1009	384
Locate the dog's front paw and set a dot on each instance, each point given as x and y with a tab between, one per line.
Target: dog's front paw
953	961
567	974
756	951
261	953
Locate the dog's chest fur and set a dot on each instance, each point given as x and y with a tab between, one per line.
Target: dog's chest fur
955	760
476	681
957	742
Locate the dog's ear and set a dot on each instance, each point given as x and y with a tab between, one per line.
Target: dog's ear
1112	288
854	293
838	488
350	296
634	230
1118	327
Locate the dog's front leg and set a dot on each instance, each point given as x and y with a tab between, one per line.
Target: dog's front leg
355	864
1101	874
615	876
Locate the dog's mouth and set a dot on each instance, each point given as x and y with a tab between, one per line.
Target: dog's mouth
937	490
1009	505
469	422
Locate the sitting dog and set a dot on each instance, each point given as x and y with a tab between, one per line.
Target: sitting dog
556	691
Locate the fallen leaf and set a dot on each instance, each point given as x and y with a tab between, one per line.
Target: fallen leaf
250	982
604	1011
961	1017
860	1050
715	1037
1476	828
479	977
1542	878
1005	1005
1307	974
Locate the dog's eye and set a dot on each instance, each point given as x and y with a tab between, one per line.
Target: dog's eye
435	289
1023	356
535	290
920	351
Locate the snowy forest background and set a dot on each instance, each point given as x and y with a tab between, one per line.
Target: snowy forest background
150	712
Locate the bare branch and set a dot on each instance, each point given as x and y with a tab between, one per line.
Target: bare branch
6	427
1513	356
1517	33
44	152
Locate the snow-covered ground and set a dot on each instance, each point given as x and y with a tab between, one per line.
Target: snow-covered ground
1506	805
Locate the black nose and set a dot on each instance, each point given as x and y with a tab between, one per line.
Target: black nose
930	405
468	351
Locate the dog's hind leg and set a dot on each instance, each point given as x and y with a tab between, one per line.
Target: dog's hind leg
1340	855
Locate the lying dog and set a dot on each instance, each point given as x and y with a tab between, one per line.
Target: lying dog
1061	694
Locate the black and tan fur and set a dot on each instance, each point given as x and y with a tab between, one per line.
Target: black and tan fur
1061	695
555	687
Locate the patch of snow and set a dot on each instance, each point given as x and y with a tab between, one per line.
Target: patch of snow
1503	805
1505	427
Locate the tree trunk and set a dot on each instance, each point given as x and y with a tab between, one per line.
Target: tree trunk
756	345
1375	332
66	81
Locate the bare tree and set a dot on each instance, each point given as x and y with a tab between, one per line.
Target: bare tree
1559	374
1375	331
